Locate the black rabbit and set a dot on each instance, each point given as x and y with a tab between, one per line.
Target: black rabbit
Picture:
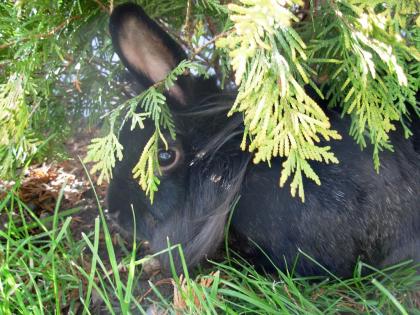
355	213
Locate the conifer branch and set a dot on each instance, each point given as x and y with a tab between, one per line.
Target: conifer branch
42	35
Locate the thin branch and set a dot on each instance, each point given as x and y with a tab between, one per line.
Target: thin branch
158	283
188	27
213	40
43	35
215	61
103	7
176	36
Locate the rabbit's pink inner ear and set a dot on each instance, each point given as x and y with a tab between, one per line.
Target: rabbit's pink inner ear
146	53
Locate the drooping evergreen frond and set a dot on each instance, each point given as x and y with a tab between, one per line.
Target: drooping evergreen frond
269	59
145	169
17	141
103	152
365	69
51	55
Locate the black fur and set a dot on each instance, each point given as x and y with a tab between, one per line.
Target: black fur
355	213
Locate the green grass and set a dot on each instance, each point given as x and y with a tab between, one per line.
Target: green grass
45	270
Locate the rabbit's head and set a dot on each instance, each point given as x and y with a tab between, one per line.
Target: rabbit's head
201	171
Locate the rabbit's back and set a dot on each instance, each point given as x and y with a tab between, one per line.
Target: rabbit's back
354	213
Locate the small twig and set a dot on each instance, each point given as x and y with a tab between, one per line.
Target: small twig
215	62
176	37
158	283
103	7
213	40
188	29
41	36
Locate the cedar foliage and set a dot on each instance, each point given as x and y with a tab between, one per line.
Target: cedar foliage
58	68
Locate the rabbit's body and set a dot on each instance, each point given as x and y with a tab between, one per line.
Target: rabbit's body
355	213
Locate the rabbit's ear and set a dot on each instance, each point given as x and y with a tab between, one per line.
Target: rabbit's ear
145	48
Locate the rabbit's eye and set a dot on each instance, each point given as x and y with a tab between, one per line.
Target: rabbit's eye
166	157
